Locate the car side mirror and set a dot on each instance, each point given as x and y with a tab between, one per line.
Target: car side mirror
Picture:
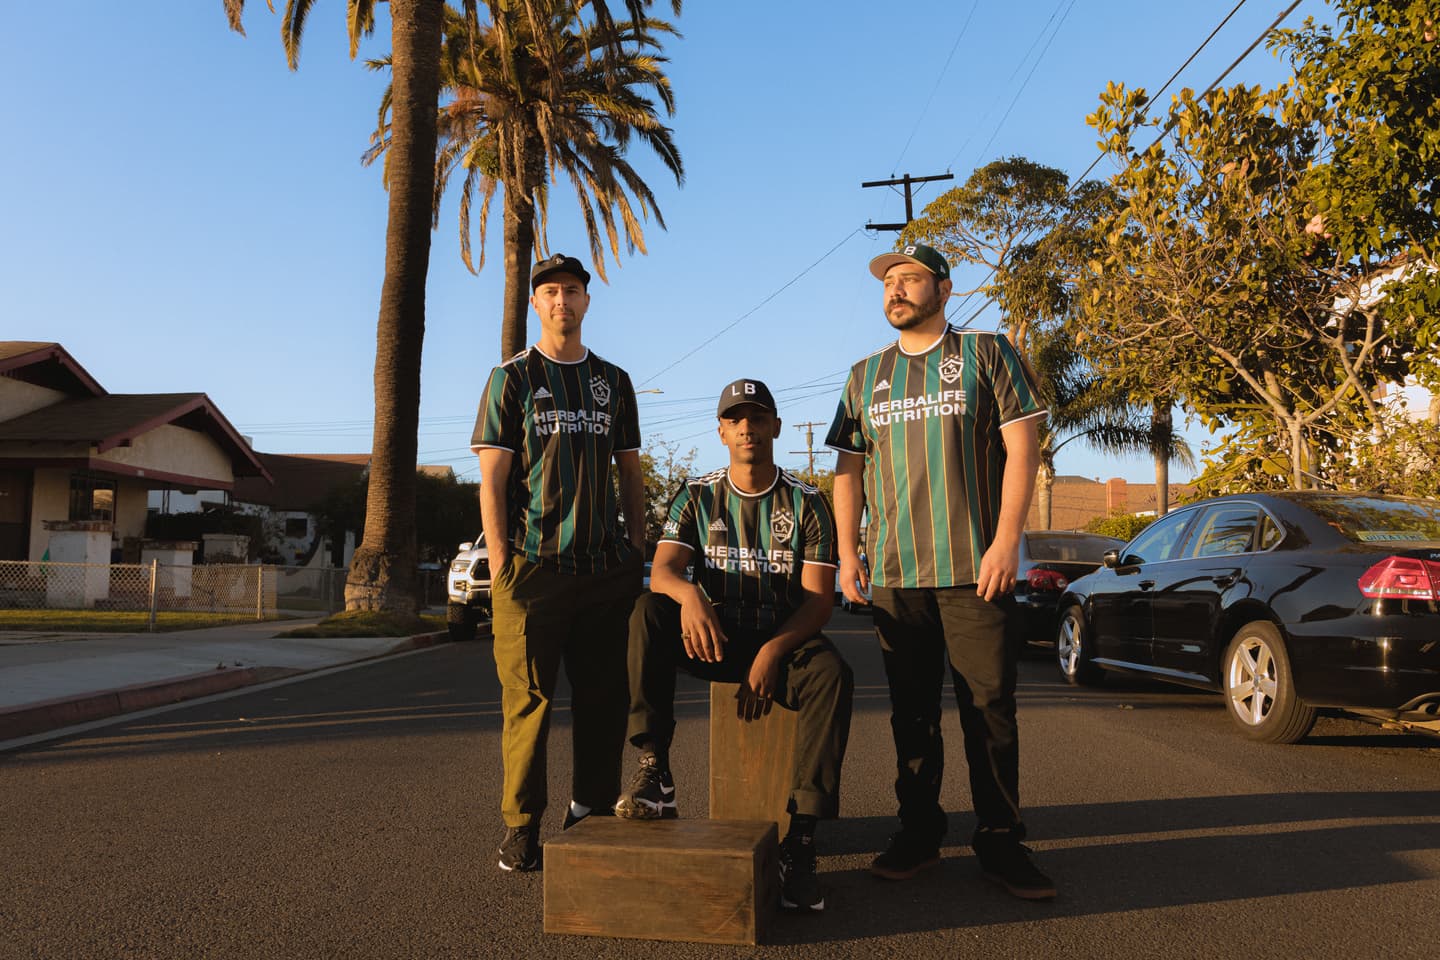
465	546
1111	558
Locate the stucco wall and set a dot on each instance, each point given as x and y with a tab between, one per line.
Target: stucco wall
131	505
171	449
49	500
18	398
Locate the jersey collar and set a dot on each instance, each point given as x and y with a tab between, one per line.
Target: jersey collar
565	363
920	353
751	496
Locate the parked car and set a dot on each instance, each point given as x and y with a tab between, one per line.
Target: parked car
467	587
1049	561
1286	603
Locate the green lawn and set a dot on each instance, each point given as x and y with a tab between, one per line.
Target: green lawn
113	621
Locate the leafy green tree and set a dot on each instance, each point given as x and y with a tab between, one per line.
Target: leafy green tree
1215	286
1022	220
1126	526
1405	461
524	113
447	511
663	466
997	219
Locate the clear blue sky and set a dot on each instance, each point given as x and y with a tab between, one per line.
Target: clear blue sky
183	213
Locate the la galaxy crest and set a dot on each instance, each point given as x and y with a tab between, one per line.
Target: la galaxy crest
600	390
782	526
951	367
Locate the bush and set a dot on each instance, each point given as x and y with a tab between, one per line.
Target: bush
1126	526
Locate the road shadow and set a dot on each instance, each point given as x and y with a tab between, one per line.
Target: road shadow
1249	847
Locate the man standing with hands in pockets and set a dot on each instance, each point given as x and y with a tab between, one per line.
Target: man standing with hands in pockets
563	574
936	435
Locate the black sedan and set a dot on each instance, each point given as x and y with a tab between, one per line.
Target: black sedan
1286	603
1049	561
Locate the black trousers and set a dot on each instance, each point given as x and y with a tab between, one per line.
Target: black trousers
920	630
815	681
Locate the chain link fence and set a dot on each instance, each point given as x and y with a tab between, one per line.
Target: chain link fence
259	591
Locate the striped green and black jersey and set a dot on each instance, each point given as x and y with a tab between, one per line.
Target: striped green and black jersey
564	422
928	425
750	546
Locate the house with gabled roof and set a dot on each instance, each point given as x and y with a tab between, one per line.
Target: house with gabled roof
71	452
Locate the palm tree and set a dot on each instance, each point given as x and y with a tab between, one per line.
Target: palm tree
382	573
1084	406
519	120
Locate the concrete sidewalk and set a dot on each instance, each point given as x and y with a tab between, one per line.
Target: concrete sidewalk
50	680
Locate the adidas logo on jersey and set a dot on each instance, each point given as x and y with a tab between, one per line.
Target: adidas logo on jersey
882	385
542	394
717	525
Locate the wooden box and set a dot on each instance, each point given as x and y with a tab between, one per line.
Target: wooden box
707	881
752	762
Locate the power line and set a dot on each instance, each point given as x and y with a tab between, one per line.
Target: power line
935	89
789	283
1164	133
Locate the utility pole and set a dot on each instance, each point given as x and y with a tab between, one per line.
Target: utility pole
909	204
809	451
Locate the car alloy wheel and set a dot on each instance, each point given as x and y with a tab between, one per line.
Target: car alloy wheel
1070	650
1260	689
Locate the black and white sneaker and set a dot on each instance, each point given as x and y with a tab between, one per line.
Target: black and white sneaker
1004	859
520	850
651	793
572	817
799	887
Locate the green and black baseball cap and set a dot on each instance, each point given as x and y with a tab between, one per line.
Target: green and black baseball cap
927	257
557	264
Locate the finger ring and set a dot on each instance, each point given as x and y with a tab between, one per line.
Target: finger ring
684	636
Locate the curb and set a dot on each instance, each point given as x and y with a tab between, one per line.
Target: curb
46	715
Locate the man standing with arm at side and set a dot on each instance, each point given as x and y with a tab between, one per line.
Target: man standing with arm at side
936	436
563	577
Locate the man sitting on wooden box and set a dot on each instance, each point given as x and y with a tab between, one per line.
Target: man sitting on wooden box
762	544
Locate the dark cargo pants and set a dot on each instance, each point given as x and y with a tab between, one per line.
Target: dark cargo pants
920	630
815	681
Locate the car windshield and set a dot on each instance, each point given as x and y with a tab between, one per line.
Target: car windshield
1377	520
1079	547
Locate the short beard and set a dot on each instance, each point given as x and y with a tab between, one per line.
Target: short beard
922	312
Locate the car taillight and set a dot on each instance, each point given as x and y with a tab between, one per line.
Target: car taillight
1046	581
1402	578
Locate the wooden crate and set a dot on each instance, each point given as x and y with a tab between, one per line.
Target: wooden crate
751	762
707	881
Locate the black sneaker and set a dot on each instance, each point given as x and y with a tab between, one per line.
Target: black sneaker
1006	860
520	850
651	794
906	856
799	887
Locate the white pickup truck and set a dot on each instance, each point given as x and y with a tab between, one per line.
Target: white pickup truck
467	585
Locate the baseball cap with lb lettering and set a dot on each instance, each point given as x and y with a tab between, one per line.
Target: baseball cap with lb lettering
927	257
745	391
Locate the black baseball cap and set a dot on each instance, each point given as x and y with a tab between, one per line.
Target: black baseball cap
745	391
927	257
557	264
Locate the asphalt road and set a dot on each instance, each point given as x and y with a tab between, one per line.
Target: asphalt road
356	815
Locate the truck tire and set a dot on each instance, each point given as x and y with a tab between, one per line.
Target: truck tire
460	621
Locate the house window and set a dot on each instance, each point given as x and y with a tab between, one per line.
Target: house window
297	527
91	498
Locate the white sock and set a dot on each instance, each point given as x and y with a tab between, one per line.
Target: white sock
578	810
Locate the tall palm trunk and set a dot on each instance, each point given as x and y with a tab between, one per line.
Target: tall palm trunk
519	253
382	573
1161	434
1044	493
